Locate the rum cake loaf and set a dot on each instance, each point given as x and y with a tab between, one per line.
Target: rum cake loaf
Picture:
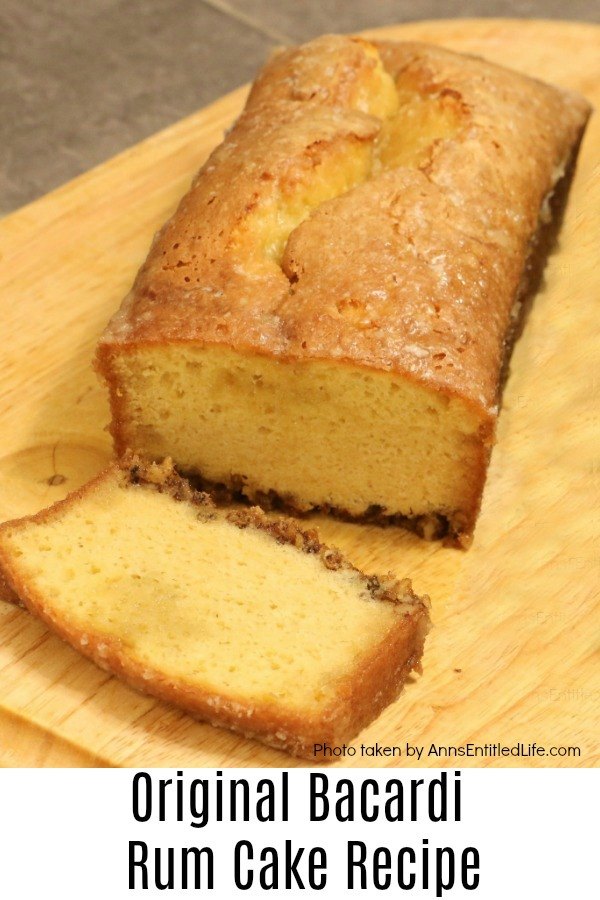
326	319
243	621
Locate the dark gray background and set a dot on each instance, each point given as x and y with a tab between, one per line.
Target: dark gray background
81	80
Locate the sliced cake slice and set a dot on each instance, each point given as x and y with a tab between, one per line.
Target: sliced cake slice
243	621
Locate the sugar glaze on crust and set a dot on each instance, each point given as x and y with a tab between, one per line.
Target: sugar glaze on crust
432	254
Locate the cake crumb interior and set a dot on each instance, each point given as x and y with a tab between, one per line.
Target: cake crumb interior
230	610
382	439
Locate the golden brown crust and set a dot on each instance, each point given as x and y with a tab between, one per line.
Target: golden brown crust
431	255
378	676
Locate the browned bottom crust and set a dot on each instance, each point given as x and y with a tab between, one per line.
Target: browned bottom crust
430	527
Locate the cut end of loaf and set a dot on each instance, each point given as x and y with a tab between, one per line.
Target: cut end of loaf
243	621
314	434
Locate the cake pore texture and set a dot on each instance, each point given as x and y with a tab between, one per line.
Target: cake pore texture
327	316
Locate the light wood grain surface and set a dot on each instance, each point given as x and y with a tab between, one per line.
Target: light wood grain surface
514	653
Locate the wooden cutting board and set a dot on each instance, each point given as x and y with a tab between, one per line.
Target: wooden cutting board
514	654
